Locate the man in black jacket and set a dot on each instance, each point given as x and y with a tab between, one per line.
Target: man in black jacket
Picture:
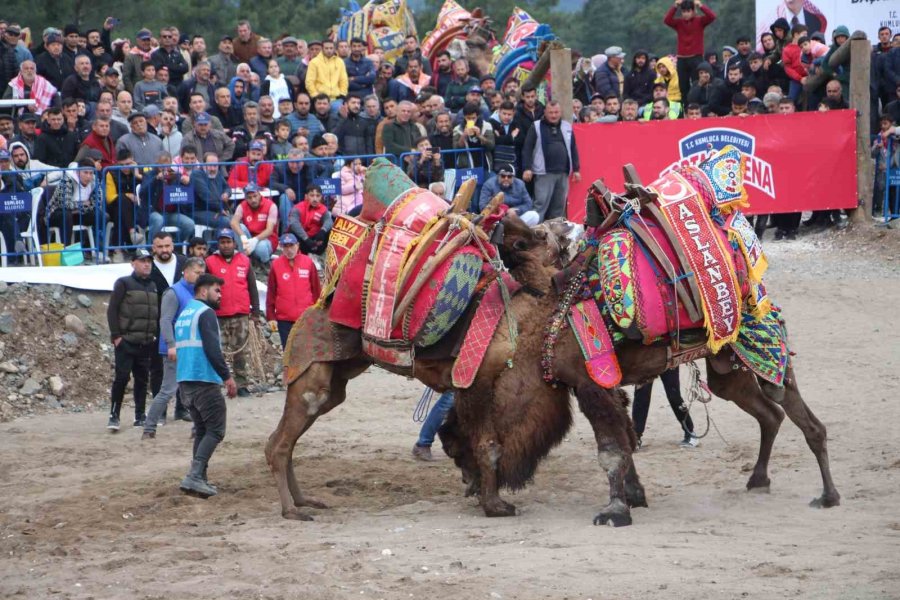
168	55
133	317
54	65
166	269
82	85
56	145
639	81
528	111
356	136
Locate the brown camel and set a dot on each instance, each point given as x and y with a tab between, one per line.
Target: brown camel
322	386
525	427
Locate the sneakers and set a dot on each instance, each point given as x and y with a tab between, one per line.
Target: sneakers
139	422
148	435
161	422
113	424
422	453
243	392
689	441
640	443
790	236
137	238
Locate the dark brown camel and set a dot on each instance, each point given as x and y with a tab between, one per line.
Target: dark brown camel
526	427
323	386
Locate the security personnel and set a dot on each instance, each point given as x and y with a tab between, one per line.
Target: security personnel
292	288
240	300
201	370
132	316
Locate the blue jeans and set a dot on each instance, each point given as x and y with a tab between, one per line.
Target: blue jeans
263	251
434	419
284	210
212	219
184	224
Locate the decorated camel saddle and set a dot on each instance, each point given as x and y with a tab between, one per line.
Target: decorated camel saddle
411	268
676	263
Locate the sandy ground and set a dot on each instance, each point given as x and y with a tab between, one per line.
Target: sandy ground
84	514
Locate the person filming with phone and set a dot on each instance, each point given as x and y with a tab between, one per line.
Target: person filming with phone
426	167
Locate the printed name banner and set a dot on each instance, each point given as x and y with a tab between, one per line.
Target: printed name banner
15	202
784	174
463	175
178	194
825	15
331	186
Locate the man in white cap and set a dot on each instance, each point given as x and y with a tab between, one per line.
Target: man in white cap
609	79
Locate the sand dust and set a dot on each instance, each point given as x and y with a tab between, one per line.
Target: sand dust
85	514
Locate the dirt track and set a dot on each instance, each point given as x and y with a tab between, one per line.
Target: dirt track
84	514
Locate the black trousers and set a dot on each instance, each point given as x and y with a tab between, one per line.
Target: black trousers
787	221
641	406
284	330
207	406
686	67
131	360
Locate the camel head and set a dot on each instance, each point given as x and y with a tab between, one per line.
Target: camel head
520	244
562	241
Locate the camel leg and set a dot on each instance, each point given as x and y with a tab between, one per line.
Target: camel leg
487	456
614	434
816	438
306	398
740	386
635	495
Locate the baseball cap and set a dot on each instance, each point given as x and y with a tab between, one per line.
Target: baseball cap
13	30
288	238
141	254
151	111
226	37
225	233
4	155
112	72
614	52
257	145
250	188
475	90
289	40
6	116
314	43
28	117
203	119
144	34
135	115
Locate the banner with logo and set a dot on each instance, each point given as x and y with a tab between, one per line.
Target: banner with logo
825	15
178	194
331	186
804	161
16	202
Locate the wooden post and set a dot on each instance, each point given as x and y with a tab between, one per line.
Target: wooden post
542	65
860	101
561	74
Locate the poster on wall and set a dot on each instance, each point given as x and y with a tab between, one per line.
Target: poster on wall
825	15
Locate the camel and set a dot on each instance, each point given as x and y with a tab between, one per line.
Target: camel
510	367
524	427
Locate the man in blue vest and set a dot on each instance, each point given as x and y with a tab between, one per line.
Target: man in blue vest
173	302
550	156
200	371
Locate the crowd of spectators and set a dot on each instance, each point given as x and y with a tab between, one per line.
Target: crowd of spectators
161	106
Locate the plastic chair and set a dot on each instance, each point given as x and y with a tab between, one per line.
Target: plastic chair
30	235
82	229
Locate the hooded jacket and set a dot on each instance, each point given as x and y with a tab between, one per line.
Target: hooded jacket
71	195
639	82
671	80
34	171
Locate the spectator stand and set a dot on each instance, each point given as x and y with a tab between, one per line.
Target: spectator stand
890	206
32	232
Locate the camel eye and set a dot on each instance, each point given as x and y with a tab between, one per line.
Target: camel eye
520	245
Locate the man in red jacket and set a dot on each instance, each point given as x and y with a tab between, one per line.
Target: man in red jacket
689	29
293	287
240	174
256	221
240	302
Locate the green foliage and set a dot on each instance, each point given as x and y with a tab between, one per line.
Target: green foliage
600	23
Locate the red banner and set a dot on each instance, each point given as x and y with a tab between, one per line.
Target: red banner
803	161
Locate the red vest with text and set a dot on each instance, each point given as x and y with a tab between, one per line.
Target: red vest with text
235	293
295	288
311	218
255	220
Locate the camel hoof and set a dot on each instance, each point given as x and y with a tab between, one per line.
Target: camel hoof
760	484
309	503
826	501
295	515
613	519
500	509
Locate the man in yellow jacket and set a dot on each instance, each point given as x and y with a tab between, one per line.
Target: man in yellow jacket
327	74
